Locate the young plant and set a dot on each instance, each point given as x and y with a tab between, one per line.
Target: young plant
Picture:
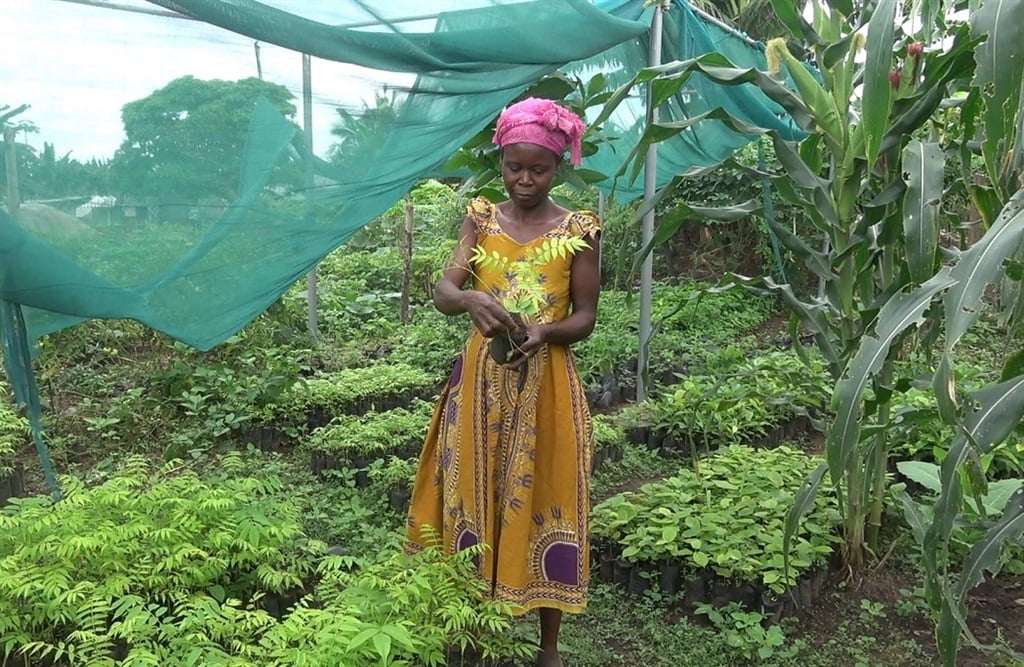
725	521
349	391
745	631
14	432
405	610
158	563
395	473
523	294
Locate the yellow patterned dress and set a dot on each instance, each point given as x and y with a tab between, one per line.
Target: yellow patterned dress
506	461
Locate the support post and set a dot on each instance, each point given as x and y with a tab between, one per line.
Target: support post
259	63
11	167
307	119
647	226
410	215
602	206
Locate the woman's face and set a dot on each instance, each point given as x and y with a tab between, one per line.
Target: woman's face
528	171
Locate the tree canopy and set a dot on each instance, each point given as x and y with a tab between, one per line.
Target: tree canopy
186	140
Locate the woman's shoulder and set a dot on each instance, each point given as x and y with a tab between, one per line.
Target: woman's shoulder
480	204
584	223
483	213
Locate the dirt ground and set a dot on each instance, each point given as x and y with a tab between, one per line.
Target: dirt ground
995	616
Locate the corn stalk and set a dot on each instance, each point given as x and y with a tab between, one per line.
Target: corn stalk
870	177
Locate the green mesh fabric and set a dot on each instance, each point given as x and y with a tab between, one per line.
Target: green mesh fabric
202	280
685	36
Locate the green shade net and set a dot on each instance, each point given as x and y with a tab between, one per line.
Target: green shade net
686	35
200	282
200	279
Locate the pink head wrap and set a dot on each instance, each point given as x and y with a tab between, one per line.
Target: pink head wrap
542	122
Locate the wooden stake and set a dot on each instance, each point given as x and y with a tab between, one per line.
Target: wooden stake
407	263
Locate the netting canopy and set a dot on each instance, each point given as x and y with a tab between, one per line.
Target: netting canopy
201	278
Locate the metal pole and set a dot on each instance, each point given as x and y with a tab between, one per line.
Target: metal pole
602	206
728	28
11	166
259	64
307	119
647	226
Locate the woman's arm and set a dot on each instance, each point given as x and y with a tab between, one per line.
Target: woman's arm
489	316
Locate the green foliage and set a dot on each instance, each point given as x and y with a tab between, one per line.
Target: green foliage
607	433
403	611
620	241
49	176
918	432
219	394
432	341
160	564
186	140
394	472
691	324
975	516
524	293
745	631
350	518
348	391
162	567
361	135
41	174
14	433
724	518
374	435
742	403
870	179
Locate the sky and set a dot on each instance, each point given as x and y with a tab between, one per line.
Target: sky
76	65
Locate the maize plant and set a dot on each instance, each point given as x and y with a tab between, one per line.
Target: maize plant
886	103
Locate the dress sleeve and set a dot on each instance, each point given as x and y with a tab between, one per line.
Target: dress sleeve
481	211
586	224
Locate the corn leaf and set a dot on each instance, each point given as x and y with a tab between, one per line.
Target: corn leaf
877	87
981	265
923	170
999	73
803	500
900	312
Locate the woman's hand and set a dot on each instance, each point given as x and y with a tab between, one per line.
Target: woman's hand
489	316
535	339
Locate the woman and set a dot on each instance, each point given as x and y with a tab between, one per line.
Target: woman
507	458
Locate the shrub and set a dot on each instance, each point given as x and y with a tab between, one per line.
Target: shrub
350	391
742	404
374	435
14	433
725	518
432	342
156	565
408	610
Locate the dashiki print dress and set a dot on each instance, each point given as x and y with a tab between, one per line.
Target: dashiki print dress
506	461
